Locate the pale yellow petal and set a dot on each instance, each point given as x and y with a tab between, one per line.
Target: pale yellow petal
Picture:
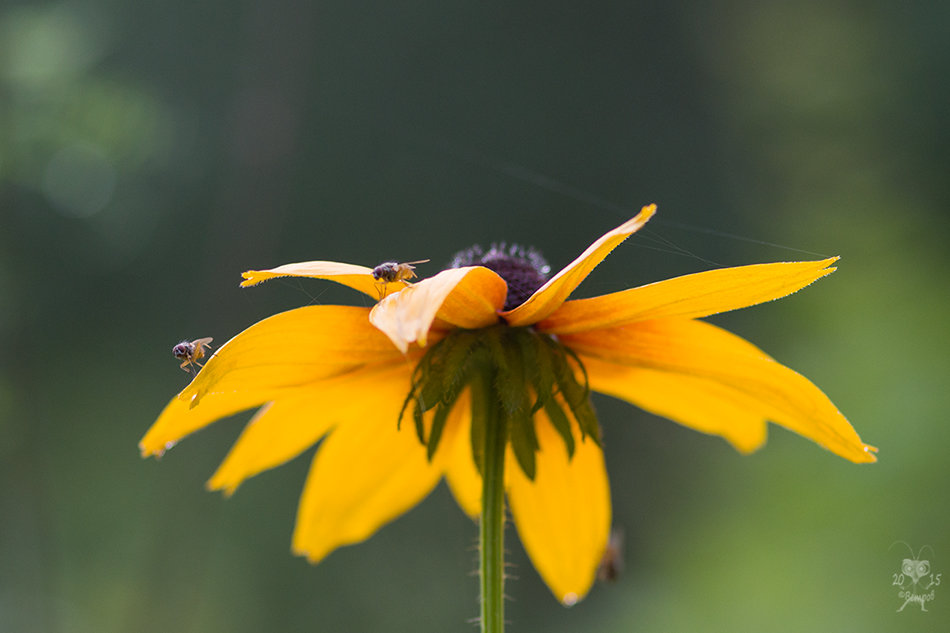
698	403
406	316
551	295
356	277
365	474
294	349
563	516
692	296
285	428
702	351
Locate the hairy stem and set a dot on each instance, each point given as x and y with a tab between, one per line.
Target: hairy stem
492	526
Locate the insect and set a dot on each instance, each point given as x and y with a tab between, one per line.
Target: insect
391	272
190	352
611	565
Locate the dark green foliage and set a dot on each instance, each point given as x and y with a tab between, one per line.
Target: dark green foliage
515	371
576	397
560	422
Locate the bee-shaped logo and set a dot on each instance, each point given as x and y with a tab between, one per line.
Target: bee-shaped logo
910	579
915	569
391	272
190	352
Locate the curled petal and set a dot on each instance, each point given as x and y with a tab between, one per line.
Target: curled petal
692	296
475	301
563	516
698	350
293	349
365	474
467	297
285	428
551	295
356	277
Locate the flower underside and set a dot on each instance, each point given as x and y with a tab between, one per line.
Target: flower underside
498	362
521	370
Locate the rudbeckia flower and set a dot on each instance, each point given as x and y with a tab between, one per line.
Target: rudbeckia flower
405	393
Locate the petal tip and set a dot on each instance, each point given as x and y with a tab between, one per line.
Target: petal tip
825	265
311	557
150	450
217	483
870	454
250	278
570	599
636	222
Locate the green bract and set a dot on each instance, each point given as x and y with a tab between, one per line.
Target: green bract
519	369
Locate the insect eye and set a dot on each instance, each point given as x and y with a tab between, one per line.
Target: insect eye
908	566
923	568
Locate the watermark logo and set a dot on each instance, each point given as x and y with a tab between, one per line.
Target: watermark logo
916	580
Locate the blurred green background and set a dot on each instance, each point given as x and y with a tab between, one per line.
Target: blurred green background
150	152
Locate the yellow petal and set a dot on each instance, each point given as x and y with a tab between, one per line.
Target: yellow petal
406	316
461	474
563	516
365	474
293	349
690	296
700	350
356	277
551	295
698	403
285	428
179	419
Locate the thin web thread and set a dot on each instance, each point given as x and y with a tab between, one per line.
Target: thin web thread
553	185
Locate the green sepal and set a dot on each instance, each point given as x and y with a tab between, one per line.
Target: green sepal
513	373
587	421
537	362
430	394
524	442
410	397
576	397
482	402
420	424
580	365
456	362
420	376
560	423
509	384
438	425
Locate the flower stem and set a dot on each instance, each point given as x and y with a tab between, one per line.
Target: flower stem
492	526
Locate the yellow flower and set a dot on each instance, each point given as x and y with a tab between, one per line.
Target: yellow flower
343	374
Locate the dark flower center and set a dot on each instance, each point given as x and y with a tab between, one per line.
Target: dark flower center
523	269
